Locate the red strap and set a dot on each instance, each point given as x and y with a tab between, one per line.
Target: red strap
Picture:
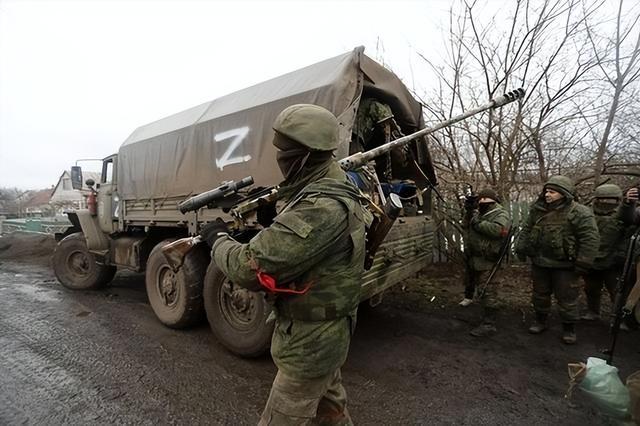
269	283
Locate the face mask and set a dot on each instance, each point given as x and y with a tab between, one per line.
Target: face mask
292	161
291	156
485	207
604	208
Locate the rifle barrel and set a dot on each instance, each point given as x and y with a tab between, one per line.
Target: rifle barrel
360	158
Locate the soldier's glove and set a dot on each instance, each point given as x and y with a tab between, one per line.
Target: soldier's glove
214	230
475	219
581	267
471	202
266	213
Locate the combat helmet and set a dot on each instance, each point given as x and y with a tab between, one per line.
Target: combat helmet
310	125
489	193
562	184
608	190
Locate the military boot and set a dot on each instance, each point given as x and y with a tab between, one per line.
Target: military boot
590	316
569	333
539	325
484	330
488	326
593	309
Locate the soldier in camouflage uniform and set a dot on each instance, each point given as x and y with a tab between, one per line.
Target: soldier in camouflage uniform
561	238
610	216
371	116
375	125
314	255
487	227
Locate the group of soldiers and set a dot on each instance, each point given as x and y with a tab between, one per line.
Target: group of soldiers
310	260
569	245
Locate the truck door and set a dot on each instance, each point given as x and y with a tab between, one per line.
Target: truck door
108	200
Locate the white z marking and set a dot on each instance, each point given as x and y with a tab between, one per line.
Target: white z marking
238	136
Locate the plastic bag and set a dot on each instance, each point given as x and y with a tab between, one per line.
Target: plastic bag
601	383
633	384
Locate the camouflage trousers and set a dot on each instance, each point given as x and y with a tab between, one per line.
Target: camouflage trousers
563	284
593	283
475	282
318	401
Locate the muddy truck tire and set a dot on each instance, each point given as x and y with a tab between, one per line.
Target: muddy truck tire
76	267
176	297
237	316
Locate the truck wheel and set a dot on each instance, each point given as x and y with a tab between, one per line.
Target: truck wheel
75	266
176	297
237	316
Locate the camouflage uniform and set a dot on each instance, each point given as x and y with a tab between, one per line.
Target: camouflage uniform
374	126
609	261
317	241
485	235
371	113
562	239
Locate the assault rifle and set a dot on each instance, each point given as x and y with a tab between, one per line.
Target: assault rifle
622	308
353	162
504	249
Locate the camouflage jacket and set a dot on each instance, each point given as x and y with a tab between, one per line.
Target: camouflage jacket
317	240
485	236
563	237
613	228
370	114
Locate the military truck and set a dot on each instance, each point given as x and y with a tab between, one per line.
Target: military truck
133	210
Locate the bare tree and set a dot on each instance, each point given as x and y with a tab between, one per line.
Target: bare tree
544	49
619	72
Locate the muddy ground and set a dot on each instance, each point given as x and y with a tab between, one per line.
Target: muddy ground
102	357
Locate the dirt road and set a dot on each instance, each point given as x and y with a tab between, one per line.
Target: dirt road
102	358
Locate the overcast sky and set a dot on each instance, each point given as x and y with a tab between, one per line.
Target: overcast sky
77	77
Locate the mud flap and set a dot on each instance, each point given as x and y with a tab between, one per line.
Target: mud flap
96	239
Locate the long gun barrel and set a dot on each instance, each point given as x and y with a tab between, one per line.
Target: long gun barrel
209	197
359	159
624	286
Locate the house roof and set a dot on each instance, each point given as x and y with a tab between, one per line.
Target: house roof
39	198
85	175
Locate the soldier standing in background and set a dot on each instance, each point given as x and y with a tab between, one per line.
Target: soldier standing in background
610	216
631	200
561	238
312	259
487	226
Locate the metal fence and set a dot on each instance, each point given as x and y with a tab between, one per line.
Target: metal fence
47	225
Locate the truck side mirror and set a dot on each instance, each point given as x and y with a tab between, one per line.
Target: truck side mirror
76	177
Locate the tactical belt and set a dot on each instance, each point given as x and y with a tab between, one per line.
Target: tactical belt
326	312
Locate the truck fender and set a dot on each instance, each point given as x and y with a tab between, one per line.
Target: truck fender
96	239
75	227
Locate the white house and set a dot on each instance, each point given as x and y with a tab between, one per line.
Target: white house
64	196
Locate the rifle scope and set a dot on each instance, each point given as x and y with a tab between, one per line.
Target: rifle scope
215	194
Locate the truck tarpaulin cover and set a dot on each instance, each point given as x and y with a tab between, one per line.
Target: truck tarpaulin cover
230	138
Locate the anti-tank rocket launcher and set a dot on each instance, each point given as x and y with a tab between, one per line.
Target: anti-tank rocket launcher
384	218
359	159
